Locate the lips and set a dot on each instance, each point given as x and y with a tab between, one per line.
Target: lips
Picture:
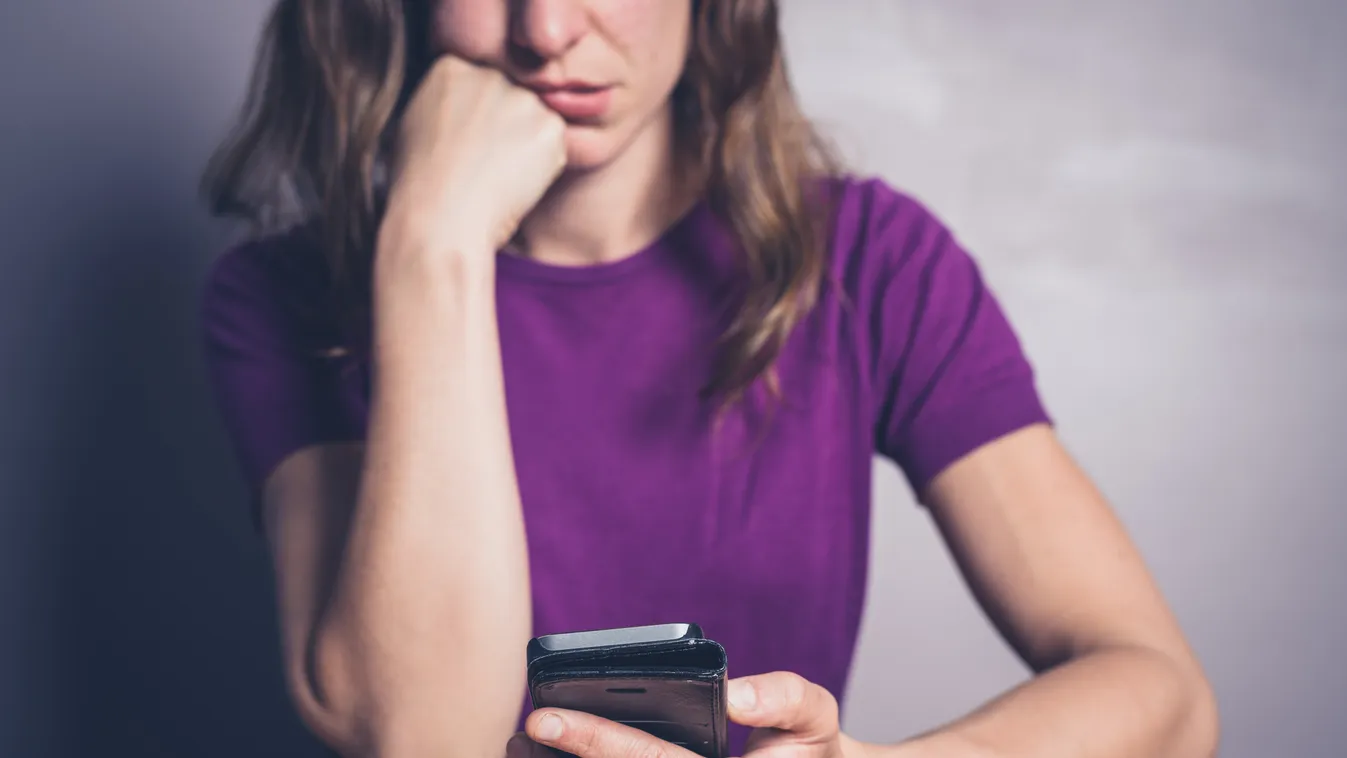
576	101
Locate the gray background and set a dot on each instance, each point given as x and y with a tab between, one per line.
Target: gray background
1155	189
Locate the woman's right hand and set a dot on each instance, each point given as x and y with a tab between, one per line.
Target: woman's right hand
475	154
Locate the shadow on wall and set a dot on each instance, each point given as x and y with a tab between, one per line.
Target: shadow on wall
137	599
151	631
165	595
136	614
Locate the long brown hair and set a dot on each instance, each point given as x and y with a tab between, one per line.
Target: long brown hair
330	79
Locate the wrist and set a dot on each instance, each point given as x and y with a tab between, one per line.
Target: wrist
410	255
428	295
413	237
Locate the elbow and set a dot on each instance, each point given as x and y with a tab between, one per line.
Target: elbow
370	682
1202	721
332	729
1183	719
320	684
1192	716
360	713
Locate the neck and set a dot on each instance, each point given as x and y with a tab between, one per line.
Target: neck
608	213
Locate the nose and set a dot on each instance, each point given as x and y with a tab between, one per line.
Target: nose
548	28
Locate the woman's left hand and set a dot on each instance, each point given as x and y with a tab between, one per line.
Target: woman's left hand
792	718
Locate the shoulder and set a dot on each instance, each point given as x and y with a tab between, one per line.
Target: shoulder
939	352
272	287
876	228
288	262
862	200
278	366
890	251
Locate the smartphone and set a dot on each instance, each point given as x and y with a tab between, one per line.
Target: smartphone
667	680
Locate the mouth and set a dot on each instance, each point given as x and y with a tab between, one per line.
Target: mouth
576	101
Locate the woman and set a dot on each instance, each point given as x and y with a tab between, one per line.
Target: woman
610	218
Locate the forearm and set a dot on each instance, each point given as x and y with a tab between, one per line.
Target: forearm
431	608
1116	703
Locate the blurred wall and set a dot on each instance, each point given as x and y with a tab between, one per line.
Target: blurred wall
1155	190
1158	191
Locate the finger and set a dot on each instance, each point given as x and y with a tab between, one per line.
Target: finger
784	701
588	736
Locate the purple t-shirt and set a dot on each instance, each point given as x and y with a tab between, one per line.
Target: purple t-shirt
638	511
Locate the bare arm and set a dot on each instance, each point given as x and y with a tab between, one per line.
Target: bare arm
404	592
405	589
430	610
1055	570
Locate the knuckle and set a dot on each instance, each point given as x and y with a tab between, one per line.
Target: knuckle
585	739
443	67
794	690
455	71
452	63
831	711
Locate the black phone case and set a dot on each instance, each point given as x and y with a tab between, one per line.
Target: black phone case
672	689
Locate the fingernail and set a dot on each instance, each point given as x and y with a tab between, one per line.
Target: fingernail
549	727
743	696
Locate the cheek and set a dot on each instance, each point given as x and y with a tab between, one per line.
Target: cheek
652	34
472	29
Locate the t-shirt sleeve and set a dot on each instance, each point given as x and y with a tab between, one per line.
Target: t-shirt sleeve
276	389
950	372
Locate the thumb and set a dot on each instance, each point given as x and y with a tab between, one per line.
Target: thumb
783	701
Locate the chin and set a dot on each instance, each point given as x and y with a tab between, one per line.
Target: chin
589	148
